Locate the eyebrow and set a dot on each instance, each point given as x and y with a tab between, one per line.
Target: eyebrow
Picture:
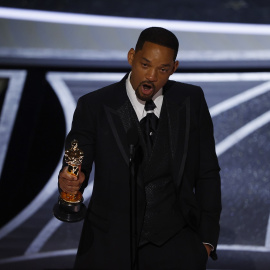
164	65
146	59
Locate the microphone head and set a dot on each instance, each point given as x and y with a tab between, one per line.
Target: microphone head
132	136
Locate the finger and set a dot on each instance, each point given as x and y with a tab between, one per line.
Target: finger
81	177
72	189
70	186
66	175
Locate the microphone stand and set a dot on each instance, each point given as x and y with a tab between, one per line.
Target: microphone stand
133	210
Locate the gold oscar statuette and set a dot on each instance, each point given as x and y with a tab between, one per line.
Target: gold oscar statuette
70	207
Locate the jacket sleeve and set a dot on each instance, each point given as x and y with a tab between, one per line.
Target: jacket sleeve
83	130
207	188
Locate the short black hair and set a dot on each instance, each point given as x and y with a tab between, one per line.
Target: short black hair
160	36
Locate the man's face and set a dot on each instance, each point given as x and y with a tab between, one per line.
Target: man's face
151	68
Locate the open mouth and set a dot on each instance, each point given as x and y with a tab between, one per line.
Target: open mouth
145	90
147	87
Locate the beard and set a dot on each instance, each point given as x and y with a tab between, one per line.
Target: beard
142	96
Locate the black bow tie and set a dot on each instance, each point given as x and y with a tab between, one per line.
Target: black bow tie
149	123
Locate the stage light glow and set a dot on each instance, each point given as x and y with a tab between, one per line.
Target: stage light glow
137	23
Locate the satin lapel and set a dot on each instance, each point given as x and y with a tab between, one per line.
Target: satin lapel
179	126
120	121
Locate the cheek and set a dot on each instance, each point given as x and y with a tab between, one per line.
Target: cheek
139	76
136	72
163	80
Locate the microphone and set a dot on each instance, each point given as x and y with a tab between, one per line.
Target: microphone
132	137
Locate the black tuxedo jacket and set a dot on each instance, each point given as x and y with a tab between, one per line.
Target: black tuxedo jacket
100	124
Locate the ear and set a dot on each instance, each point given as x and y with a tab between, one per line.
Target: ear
176	64
130	56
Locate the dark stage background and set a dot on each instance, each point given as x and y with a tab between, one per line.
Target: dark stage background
52	52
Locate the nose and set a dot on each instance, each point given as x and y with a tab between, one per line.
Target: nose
151	75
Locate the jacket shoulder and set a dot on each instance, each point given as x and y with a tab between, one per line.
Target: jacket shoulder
185	87
174	90
100	94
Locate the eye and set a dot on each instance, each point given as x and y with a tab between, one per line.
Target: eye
144	65
163	70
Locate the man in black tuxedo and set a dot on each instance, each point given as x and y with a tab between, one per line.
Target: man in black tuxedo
178	182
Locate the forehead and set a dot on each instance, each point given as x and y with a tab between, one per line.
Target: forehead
153	51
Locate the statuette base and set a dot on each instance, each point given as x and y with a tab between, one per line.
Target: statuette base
69	211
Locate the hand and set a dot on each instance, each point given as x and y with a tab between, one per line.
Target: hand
70	183
208	249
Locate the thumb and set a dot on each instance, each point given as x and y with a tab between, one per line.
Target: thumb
81	177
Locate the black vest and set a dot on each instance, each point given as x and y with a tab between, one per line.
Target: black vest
162	218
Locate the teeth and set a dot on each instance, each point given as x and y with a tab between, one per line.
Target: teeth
146	86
